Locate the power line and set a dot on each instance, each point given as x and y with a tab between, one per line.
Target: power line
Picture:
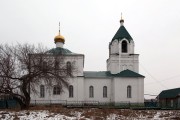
153	77
170	78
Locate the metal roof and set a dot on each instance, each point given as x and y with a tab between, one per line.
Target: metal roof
122	33
59	50
107	74
171	93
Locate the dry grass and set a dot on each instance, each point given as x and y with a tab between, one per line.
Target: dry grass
99	114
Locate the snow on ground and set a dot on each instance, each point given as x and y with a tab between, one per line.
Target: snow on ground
34	115
76	115
39	115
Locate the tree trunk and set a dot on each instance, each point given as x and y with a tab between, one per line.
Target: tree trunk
20	101
26	95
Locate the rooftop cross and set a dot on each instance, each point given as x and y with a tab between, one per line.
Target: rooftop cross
121	16
121	21
59	28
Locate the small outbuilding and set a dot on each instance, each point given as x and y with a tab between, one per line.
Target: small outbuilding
169	98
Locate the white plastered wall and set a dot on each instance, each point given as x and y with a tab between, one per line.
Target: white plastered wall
120	89
97	84
77	62
119	61
77	81
78	91
116	90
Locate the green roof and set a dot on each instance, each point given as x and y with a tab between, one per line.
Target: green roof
59	50
107	74
171	93
122	33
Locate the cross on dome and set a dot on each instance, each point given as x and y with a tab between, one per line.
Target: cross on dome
59	37
121	21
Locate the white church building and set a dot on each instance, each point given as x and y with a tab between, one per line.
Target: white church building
121	82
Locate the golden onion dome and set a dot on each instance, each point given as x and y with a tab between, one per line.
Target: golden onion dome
59	38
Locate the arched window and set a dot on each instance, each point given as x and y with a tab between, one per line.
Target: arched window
44	66
124	47
70	91
91	92
56	90
69	67
42	91
129	90
105	92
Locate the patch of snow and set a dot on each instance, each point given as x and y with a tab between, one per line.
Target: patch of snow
156	116
76	115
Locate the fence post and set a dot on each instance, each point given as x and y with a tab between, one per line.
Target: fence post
35	102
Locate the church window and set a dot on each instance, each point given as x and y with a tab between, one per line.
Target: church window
44	65
105	92
91	92
68	64
124	47
42	90
129	89
69	67
56	90
70	91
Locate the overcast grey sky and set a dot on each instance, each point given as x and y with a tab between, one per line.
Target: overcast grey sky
89	25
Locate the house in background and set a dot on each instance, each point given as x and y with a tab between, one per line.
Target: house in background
169	98
121	83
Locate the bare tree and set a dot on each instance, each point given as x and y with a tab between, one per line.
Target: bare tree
22	67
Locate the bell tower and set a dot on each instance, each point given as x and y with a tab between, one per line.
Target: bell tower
121	52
